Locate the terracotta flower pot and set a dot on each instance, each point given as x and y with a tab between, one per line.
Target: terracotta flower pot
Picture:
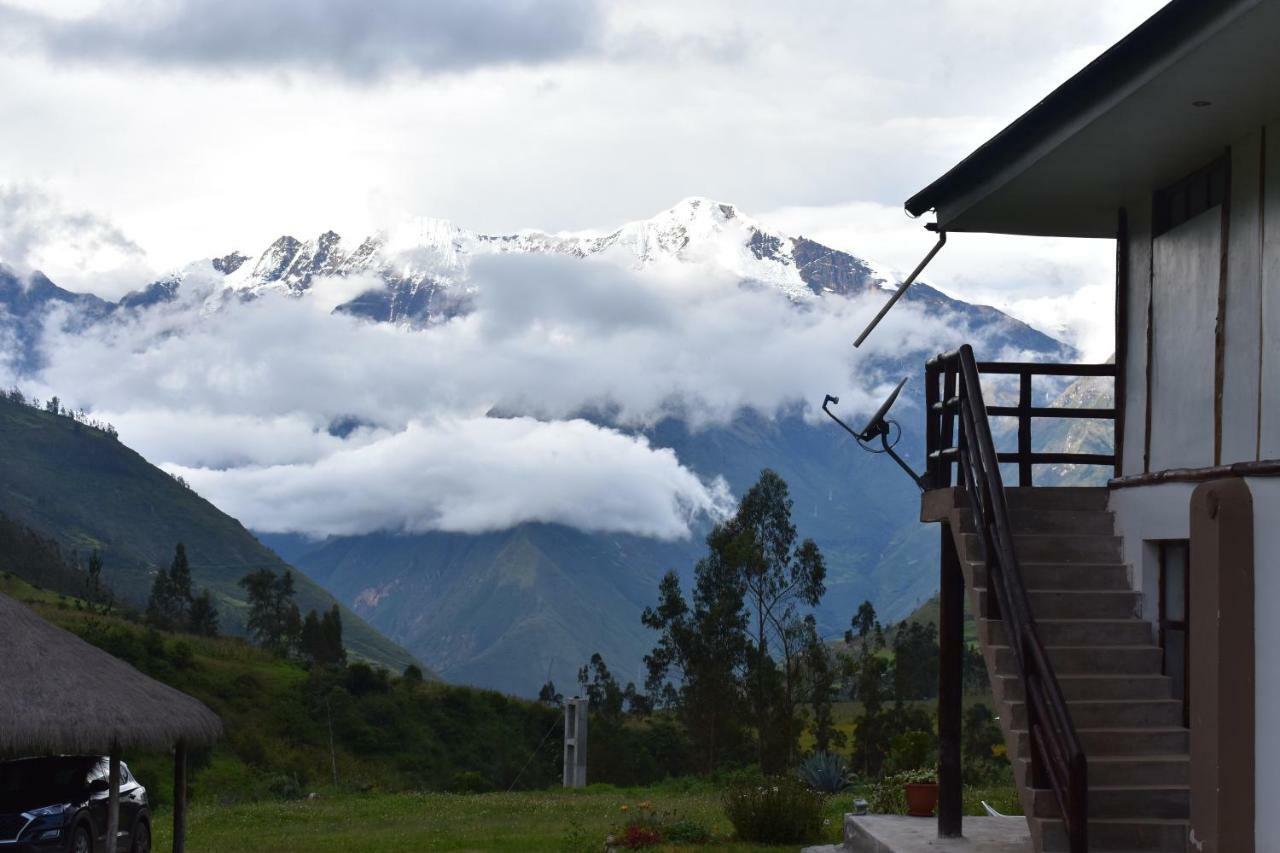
922	798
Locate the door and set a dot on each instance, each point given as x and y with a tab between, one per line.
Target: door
1175	616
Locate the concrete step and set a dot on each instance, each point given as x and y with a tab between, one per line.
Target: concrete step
1105	576
1061	498
1088	660
1103	713
1145	740
1028	520
1056	547
1070	603
1105	801
1120	834
1134	769
1092	687
1076	632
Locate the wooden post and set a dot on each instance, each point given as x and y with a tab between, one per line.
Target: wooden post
113	801
1024	428
950	687
180	798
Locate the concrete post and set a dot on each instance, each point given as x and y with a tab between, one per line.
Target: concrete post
575	742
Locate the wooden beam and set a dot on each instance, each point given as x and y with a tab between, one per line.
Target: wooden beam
113	801
180	798
1220	324
1122	331
950	687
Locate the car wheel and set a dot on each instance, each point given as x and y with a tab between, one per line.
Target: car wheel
141	839
80	842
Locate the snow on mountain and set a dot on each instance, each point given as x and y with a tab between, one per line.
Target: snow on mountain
418	270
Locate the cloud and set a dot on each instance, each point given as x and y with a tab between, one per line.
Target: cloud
471	476
80	250
242	398
1062	286
349	38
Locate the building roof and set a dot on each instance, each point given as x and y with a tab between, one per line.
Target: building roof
1125	123
63	696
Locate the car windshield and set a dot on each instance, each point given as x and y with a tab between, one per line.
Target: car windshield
48	775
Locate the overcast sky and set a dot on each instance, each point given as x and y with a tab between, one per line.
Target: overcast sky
140	135
192	127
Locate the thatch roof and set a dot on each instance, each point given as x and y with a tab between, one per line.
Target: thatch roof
60	695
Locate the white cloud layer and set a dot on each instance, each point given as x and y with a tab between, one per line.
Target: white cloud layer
241	399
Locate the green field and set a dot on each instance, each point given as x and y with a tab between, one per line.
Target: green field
531	821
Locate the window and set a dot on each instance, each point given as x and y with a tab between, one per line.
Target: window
1175	564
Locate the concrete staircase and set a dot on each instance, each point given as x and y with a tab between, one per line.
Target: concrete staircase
1107	663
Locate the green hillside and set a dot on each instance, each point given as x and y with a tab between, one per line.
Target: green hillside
290	729
86	490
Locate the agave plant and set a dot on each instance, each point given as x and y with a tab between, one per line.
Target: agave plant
825	772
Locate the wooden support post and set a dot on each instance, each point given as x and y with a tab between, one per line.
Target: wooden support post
180	798
1024	429
950	687
113	801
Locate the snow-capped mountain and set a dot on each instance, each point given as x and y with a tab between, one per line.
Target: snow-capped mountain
418	271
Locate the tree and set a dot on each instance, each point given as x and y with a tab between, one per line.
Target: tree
548	695
601	688
203	617
96	592
778	576
320	638
821	689
274	620
698	665
169	607
915	655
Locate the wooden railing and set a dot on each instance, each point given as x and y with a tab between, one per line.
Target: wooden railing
940	388
954	392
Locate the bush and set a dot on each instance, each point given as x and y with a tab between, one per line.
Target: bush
888	795
911	750
779	810
825	772
686	831
470	782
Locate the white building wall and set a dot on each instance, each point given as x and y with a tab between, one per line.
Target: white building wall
1144	516
1135	366
1242	328
1269	384
1187	262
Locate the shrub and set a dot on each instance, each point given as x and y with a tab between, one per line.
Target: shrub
779	810
910	750
470	782
686	831
825	772
888	796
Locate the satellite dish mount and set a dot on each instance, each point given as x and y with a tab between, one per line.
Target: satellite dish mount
878	427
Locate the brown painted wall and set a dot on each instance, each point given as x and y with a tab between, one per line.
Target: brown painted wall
1222	668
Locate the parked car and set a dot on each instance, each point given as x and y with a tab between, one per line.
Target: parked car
59	805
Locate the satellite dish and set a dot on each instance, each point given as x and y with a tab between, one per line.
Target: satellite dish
877	425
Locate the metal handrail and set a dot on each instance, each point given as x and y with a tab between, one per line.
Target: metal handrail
1056	758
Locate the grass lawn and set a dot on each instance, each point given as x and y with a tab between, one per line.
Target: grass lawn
531	821
534	821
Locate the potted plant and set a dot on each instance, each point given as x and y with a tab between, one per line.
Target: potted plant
921	788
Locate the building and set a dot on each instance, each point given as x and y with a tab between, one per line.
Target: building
1128	629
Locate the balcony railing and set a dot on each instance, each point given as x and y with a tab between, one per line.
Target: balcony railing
941	376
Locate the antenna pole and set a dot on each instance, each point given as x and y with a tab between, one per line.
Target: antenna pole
902	288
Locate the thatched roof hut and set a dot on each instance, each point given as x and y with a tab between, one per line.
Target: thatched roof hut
63	696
